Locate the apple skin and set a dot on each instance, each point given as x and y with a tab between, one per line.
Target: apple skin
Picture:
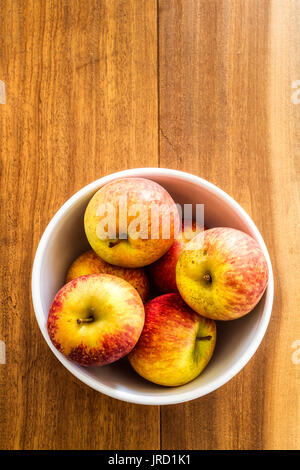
118	318
131	252
168	351
224	277
90	263
163	272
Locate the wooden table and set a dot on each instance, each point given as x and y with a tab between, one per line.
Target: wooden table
211	87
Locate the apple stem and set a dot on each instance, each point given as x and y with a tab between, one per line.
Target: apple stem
112	244
85	320
204	338
207	277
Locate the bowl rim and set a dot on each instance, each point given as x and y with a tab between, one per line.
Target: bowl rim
131	396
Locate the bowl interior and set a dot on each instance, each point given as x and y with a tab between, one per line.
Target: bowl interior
66	240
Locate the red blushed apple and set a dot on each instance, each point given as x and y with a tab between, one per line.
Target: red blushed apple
131	222
222	274
90	263
96	319
176	344
163	272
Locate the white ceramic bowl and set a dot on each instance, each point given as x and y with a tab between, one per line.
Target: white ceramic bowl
237	340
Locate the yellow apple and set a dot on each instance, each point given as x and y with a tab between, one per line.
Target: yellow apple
131	222
222	273
90	263
176	344
96	319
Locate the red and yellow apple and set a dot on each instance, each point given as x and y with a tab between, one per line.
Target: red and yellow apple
96	319
131	222
176	344
90	263
163	272
222	273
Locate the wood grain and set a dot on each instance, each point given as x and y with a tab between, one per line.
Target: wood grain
226	69
200	85
81	102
